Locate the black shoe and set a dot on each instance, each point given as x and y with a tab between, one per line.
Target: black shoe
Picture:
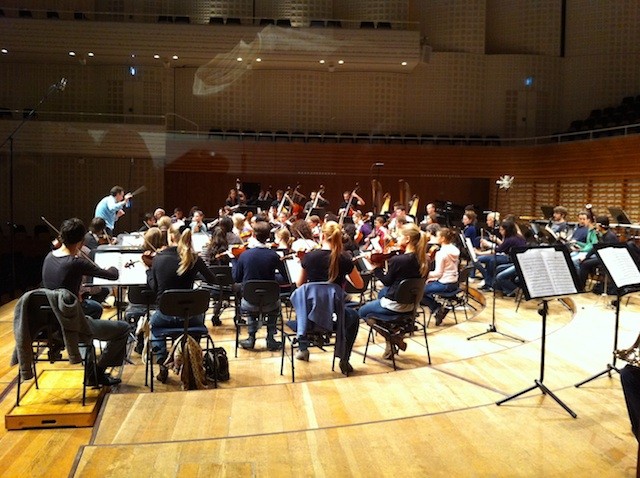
215	321
248	343
103	379
440	314
345	367
163	374
273	345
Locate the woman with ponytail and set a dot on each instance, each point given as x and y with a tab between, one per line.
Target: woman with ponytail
175	267
410	265
331	264
444	278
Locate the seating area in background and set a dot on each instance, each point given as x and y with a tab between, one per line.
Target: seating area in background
359	138
624	114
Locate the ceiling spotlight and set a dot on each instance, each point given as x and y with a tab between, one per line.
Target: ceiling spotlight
340	62
321	62
4	51
175	57
156	56
90	54
72	53
258	60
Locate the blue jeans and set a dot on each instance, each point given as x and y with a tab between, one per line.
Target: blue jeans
160	322
92	308
487	266
433	288
505	279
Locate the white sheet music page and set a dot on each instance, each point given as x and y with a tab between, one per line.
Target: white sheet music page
620	266
546	272
471	249
130	266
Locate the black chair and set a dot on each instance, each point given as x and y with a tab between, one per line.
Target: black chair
410	291
46	334
233	21
350	289
259	294
267	21
367	25
221	291
325	294
141	298
184	303
182	19
459	297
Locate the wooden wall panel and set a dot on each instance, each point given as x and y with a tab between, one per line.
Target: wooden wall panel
604	171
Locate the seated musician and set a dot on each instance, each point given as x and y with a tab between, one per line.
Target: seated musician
217	251
178	217
580	233
282	240
226	223
315	223
559	220
399	216
589	264
490	237
488	261
241	227
432	215
63	268
259	263
148	221
280	201
330	264
377	240
303	240
96	235
197	224
444	277
363	227
175	267
320	203
234	199
351	202
412	264
470	231
581	249
158	213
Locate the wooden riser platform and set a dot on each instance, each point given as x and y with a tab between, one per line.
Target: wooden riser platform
56	403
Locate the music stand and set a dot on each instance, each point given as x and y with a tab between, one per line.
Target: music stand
546	272
624	271
547	211
619	215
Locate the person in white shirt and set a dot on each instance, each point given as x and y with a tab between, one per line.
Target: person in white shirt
444	277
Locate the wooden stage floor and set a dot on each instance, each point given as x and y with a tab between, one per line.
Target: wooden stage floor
438	420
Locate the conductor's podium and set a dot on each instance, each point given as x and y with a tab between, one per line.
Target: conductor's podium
56	403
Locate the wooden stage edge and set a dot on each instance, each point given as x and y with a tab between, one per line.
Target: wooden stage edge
57	403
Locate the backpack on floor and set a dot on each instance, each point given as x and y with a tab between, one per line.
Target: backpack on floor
218	357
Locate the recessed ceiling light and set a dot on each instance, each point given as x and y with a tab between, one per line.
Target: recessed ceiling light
90	54
321	62
258	60
340	62
133	55
156	56
4	51
175	57
72	53
404	63
239	58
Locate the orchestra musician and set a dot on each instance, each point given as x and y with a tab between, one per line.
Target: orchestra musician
158	213
469	220
259	263
376	241
488	261
64	268
111	207
351	202
178	217
444	277
412	264
303	237
591	261
559	220
148	221
363	228
235	198
330	264
311	203
197	224
580	233
96	235
175	267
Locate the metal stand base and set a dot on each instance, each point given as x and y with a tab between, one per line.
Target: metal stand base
545	391
492	329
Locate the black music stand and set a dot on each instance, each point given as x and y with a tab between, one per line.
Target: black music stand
546	272
624	271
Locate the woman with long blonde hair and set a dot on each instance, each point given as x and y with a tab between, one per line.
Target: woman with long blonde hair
413	263
175	267
331	264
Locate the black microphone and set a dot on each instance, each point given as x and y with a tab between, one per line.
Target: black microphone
61	85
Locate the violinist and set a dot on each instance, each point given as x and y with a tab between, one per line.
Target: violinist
315	223
197	224
241	226
178	217
444	277
226	223
216	252
63	268
282	240
412	264
96	235
148	221
303	237
331	264
363	228
111	207
376	241
469	220
176	267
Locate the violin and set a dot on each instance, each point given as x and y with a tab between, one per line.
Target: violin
381	257
147	258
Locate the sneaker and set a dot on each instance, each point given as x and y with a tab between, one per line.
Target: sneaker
163	374
273	345
302	355
248	343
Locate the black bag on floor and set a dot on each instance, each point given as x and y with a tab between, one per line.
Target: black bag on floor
217	356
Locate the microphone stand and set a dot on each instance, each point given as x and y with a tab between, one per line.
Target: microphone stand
492	327
9	139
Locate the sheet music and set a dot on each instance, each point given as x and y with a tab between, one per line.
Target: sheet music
546	272
471	249
294	269
199	241
129	264
620	266
132	239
